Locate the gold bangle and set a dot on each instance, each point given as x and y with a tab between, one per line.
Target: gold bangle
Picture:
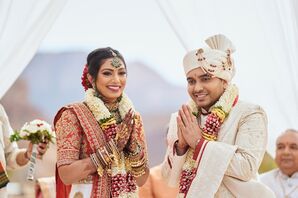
93	161
100	171
114	149
137	157
105	156
137	172
102	156
138	163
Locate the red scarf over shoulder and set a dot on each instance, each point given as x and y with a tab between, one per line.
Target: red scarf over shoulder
96	139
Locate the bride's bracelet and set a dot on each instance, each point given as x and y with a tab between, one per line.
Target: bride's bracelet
113	150
138	168
134	149
104	155
97	163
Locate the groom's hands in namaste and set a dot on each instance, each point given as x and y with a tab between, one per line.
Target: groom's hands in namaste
189	131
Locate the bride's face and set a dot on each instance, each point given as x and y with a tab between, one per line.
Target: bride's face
111	81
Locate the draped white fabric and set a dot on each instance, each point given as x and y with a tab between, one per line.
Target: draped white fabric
266	38
23	25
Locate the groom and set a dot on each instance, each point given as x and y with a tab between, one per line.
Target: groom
216	143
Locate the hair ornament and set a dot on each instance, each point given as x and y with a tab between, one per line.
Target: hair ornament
116	62
85	82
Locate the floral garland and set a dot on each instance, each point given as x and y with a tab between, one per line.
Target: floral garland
215	119
102	114
108	124
218	113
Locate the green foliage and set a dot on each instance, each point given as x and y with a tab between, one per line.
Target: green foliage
15	137
34	138
104	120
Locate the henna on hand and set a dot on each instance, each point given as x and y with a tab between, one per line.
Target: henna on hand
124	130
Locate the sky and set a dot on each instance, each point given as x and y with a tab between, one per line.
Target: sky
137	29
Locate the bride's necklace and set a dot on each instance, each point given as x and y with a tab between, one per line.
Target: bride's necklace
114	110
116	114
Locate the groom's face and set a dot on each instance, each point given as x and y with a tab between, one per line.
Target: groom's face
204	89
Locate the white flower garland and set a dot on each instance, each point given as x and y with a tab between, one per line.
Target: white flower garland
100	111
226	101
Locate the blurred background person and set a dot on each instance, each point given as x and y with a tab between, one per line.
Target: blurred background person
11	157
284	180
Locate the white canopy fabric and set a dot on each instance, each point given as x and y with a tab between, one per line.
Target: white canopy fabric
267	68
23	25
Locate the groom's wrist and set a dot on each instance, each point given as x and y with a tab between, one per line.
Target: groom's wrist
181	145
180	148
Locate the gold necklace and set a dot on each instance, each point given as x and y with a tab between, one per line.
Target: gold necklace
114	110
116	115
112	106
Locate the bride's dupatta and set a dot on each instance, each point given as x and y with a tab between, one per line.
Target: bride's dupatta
96	139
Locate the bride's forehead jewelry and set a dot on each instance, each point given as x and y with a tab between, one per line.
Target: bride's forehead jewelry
116	62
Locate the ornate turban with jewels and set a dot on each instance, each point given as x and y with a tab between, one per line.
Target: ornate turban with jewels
215	59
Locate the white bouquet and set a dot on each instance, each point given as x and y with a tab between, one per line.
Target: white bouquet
36	131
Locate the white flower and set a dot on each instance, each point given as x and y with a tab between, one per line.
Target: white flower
100	111
96	105
23	133
125	105
35	126
227	99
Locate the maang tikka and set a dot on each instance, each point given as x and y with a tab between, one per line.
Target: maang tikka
116	62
